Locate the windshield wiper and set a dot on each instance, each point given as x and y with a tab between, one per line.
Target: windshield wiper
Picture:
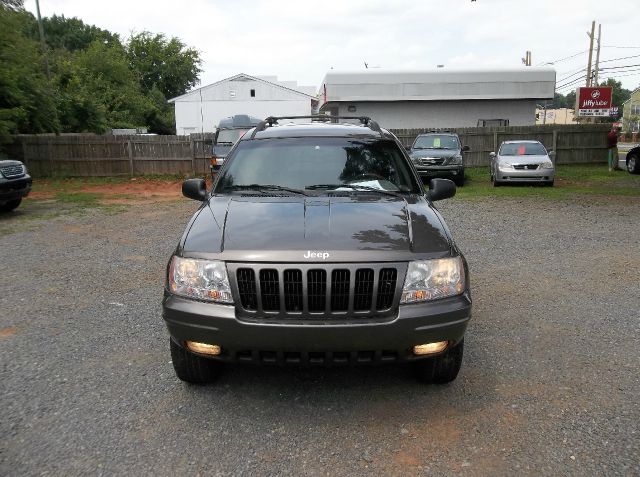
266	187
353	186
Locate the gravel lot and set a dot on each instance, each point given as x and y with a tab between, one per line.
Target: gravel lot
550	382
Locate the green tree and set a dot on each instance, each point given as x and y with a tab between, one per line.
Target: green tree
99	91
166	63
73	34
27	104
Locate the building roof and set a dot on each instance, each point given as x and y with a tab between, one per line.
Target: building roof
245	77
631	96
439	84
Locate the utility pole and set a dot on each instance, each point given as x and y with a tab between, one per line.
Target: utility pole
595	78
527	58
590	35
42	42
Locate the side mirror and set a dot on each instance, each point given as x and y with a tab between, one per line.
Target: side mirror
492	155
195	189
466	148
441	189
552	153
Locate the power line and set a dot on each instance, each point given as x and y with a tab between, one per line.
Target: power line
618	67
622	58
562	59
623	47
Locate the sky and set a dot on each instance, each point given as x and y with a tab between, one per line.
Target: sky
299	40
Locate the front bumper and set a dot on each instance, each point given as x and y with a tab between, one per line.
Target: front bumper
12	189
355	340
440	171
537	175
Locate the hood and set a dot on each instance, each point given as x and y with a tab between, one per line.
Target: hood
331	229
416	153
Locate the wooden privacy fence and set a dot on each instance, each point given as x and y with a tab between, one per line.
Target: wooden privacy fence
91	155
574	144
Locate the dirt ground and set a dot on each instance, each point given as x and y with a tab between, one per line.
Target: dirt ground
549	383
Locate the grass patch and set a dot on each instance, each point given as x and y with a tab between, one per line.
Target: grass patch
571	181
81	199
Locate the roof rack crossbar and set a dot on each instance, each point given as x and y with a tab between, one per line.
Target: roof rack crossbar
272	120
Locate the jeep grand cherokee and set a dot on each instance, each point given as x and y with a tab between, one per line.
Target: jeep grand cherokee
317	245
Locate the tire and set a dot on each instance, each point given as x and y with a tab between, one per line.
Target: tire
459	180
192	368
9	206
633	164
495	182
440	369
549	184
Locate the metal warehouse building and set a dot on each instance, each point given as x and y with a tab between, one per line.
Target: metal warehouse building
203	108
439	98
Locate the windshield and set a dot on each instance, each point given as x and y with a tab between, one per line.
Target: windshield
298	163
523	149
436	141
229	136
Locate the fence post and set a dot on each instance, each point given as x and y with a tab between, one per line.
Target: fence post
24	152
554	146
495	141
130	151
193	155
50	156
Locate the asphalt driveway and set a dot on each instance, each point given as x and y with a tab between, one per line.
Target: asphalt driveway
549	384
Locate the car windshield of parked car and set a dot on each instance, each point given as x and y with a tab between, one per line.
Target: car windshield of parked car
433	141
299	163
523	149
229	136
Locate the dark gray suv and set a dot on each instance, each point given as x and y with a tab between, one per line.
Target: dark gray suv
439	154
317	245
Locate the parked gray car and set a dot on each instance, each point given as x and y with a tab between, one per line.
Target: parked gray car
522	161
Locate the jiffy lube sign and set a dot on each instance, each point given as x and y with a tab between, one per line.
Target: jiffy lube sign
594	101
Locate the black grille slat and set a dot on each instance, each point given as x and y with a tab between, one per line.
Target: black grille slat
293	290
247	288
316	290
364	288
269	289
340	290
386	288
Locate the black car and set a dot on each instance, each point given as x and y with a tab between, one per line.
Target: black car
439	154
633	160
317	245
15	184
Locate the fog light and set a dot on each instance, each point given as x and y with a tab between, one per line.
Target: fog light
203	348
430	348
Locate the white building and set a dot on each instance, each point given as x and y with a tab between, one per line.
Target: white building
201	109
439	98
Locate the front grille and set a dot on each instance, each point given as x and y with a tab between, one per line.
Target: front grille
525	167
12	171
431	161
307	291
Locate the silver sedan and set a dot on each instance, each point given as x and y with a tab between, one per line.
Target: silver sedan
522	161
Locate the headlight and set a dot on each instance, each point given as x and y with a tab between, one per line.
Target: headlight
200	279
432	279
546	165
455	160
505	166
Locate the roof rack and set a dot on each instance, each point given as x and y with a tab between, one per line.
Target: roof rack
273	120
